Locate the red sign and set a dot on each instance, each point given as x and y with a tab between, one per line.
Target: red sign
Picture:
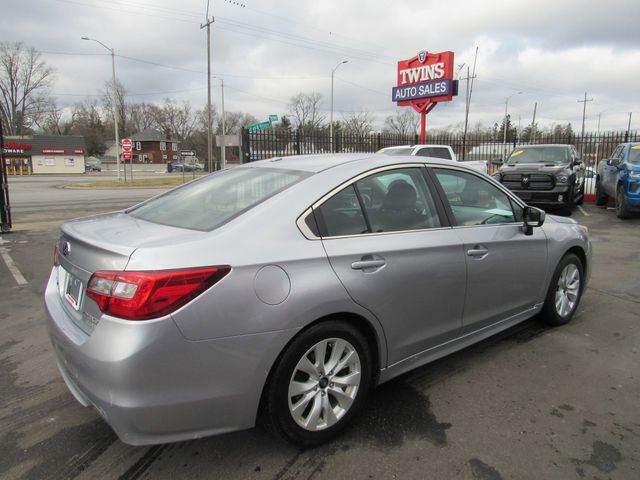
127	155
17	146
52	150
424	79
126	141
127	148
79	151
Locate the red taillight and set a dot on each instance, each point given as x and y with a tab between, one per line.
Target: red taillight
146	295
56	259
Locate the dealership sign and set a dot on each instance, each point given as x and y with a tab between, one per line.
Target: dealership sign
16	147
424	79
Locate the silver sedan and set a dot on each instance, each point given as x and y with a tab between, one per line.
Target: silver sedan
284	290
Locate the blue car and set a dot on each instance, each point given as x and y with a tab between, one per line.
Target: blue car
619	178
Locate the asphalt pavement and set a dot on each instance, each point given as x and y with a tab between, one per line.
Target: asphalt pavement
534	402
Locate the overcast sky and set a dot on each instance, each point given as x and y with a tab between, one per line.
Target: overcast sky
269	50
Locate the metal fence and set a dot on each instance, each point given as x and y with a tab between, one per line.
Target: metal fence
593	147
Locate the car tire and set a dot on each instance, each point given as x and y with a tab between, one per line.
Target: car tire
301	392
601	198
565	291
622	208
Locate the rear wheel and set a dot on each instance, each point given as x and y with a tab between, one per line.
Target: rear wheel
601	197
622	209
564	292
319	384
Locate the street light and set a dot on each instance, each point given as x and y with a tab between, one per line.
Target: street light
506	105
331	114
115	100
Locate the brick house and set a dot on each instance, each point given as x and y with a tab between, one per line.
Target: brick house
151	146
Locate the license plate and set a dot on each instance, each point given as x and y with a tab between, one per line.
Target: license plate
71	288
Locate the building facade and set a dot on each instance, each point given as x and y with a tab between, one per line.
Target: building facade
151	146
42	154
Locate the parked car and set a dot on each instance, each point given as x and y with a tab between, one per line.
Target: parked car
286	289
545	175
619	178
92	167
435	151
180	167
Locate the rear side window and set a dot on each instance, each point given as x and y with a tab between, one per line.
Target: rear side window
214	200
342	215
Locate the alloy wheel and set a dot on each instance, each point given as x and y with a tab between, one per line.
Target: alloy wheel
324	384
567	290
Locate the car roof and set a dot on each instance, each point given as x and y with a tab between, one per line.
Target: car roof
319	163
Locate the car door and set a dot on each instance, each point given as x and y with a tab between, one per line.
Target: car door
389	243
610	174
506	269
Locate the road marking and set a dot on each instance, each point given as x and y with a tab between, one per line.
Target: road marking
20	280
583	211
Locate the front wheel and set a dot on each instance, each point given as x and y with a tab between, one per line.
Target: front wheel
622	209
564	292
318	384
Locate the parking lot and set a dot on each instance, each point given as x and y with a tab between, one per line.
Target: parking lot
534	402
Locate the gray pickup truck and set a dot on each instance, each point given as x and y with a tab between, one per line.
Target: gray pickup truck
545	175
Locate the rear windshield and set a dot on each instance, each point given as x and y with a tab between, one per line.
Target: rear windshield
213	200
397	151
547	155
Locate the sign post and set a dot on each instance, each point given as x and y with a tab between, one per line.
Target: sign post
127	154
423	82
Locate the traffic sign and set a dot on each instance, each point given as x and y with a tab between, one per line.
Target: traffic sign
273	118
127	156
256	127
127	148
187	153
126	141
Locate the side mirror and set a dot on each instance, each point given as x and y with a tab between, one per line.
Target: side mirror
610	161
533	217
577	162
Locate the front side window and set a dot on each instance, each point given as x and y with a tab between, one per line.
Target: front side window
475	201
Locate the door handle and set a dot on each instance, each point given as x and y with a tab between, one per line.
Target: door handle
477	251
368	264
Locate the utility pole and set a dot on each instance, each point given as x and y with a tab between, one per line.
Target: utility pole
468	103
223	156
115	103
209	121
331	113
584	110
533	123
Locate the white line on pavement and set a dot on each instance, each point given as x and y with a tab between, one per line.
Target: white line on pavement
20	280
583	211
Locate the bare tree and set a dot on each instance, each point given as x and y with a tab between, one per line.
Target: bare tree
235	121
54	121
25	80
358	123
86	120
174	120
403	122
121	105
140	117
305	110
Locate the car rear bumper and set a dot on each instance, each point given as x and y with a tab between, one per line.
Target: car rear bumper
151	384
